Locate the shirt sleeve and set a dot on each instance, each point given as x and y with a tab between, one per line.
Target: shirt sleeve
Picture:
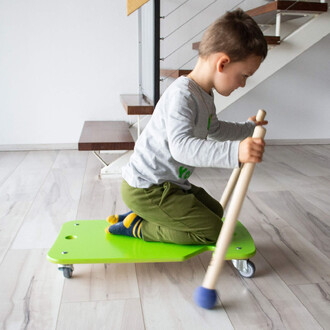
187	149
224	130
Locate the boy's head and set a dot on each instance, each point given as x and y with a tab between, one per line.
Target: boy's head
230	52
235	34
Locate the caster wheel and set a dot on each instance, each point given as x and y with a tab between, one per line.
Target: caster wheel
249	270
67	272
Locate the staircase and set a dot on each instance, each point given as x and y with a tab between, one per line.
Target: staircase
114	135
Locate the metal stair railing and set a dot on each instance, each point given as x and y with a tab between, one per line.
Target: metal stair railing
190	38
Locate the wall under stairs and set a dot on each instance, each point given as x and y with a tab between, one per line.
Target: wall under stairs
296	97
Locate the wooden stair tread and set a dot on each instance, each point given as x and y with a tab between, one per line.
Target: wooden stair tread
174	73
105	135
273	40
266	14
135	104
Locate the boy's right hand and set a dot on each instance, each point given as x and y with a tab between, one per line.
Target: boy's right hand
251	150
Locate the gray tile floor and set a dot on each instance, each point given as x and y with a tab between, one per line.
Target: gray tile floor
287	211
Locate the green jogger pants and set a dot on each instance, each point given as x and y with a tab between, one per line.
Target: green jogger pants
174	215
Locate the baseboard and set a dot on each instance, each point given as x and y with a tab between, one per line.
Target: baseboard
35	147
287	142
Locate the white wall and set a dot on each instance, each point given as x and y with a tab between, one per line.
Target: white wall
63	62
66	61
297	98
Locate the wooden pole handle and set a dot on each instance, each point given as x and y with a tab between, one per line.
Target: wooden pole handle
261	114
229	225
230	187
236	172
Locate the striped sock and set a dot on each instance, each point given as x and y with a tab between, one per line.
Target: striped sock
130	226
117	217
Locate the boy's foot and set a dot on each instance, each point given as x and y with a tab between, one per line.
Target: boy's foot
117	217
130	226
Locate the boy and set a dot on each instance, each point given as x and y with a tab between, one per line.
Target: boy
165	206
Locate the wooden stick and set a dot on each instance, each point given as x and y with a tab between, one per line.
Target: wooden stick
236	172
229	225
230	187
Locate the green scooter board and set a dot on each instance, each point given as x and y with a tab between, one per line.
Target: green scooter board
85	242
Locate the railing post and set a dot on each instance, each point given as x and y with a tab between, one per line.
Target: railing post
140	49
156	51
278	25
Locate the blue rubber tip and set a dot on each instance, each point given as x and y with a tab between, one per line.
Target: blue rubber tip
205	298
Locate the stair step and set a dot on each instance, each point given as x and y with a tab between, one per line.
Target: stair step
174	73
105	135
271	40
136	104
266	14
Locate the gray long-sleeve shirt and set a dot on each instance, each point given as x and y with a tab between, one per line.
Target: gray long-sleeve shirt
174	141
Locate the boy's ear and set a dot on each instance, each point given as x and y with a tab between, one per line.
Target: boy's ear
222	61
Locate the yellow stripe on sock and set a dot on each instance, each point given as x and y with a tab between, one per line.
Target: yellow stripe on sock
139	229
134	228
129	219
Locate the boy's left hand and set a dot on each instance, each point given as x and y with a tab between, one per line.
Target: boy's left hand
254	119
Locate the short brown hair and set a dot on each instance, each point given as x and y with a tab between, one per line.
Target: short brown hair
235	34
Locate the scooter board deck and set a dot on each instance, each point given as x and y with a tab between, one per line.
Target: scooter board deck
85	242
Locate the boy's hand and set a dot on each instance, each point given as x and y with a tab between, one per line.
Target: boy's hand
254	119
251	150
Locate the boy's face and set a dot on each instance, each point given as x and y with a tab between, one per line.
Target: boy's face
232	75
